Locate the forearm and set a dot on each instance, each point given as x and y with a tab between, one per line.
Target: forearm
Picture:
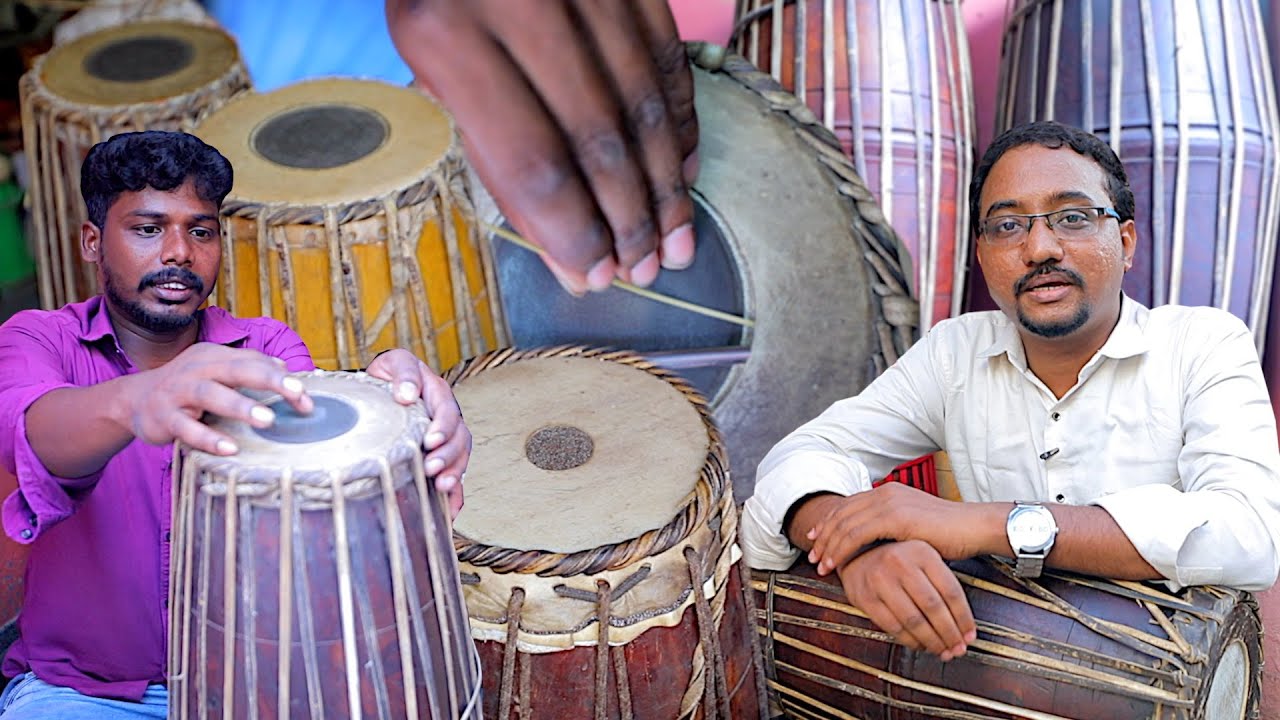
76	431
1089	541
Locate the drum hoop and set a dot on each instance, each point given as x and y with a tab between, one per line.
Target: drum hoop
450	169
233	74
313	487
713	479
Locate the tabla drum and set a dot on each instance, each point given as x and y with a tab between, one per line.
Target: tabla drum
598	543
790	242
157	75
1182	91
323	536
893	80
351	221
1057	648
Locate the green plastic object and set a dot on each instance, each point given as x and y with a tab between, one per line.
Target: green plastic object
15	261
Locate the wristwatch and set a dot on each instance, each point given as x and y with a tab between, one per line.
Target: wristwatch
1031	530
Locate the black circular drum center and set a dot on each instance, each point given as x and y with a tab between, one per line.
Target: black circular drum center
329	418
139	59
559	447
319	137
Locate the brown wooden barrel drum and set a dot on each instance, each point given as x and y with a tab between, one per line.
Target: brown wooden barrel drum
1064	647
154	75
892	79
789	239
323	536
1183	93
598	543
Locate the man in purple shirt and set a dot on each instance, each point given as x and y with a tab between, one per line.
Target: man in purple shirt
93	395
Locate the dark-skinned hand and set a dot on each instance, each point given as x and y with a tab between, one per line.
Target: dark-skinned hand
577	115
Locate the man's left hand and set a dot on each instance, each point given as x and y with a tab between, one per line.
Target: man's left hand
448	441
895	512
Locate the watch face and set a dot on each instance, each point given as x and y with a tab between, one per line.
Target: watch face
1031	528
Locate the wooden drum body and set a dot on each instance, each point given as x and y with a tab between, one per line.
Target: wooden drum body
1182	91
142	76
598	543
789	237
323	536
892	80
1058	648
351	221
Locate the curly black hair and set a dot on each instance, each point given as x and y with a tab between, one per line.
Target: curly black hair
1054	135
131	162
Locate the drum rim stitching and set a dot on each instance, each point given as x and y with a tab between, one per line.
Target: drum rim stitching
712	483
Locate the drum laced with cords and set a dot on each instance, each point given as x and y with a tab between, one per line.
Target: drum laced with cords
312	573
153	75
892	79
1063	647
351	221
792	248
598	544
1183	92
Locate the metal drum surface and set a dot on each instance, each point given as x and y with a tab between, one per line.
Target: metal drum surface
892	80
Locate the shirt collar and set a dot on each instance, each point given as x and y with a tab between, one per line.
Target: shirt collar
1127	339
216	324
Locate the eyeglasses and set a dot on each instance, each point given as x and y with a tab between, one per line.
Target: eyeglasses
1069	224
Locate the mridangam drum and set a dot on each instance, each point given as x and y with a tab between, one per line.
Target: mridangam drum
1182	92
790	241
892	80
1057	648
351	221
143	76
598	543
322	536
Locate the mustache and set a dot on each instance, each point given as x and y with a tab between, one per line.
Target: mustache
172	274
1047	269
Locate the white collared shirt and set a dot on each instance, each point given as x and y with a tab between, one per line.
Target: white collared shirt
1169	428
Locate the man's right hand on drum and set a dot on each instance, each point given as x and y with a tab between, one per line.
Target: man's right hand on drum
579	118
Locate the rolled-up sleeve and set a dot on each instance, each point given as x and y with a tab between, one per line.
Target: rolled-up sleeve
1223	525
30	367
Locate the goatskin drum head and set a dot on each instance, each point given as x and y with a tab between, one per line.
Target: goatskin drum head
138	63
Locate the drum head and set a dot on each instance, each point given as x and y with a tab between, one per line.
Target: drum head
355	427
328	141
138	63
575	453
788	236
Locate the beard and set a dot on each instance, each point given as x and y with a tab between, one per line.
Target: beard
1056	329
132	308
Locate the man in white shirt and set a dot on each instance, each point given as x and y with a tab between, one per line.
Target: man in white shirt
1086	432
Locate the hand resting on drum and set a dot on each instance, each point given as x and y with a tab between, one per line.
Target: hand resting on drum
448	440
579	119
158	406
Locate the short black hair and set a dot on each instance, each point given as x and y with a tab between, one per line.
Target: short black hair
131	162
1054	135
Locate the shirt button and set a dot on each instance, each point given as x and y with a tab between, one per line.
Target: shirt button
1055	416
1061	498
166	536
26	534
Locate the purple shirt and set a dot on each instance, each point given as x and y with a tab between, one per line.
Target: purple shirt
94	614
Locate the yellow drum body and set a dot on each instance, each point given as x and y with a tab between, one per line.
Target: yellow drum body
351	221
141	76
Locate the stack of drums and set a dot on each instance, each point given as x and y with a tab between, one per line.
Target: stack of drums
598	544
892	79
1183	93
312	573
351	221
142	76
793	251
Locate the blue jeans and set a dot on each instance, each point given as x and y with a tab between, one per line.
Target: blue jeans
27	697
